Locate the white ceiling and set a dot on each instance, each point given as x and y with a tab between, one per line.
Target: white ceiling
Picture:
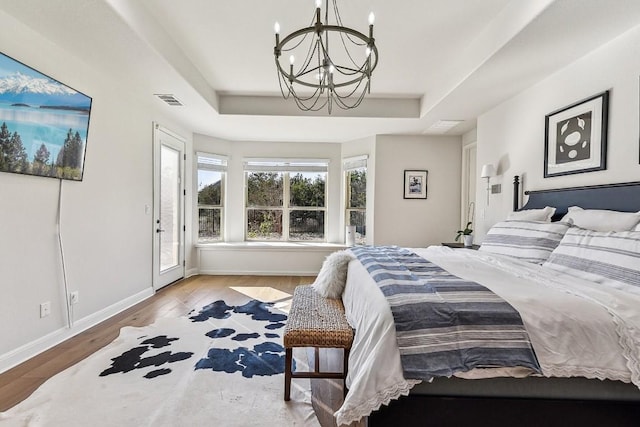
440	59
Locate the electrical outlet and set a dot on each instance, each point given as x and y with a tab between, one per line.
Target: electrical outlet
45	309
74	297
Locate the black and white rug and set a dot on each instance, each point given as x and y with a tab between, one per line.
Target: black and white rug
220	366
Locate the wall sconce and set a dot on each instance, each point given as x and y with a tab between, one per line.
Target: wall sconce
488	171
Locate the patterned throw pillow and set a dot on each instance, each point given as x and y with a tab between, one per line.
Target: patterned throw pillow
611	258
531	241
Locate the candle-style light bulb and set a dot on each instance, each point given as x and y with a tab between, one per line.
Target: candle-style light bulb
276	29
292	59
318	4
372	18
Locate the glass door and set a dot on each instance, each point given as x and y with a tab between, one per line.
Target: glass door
168	263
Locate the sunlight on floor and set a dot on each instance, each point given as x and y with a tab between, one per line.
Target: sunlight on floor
281	300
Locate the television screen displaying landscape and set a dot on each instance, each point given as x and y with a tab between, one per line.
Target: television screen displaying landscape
43	123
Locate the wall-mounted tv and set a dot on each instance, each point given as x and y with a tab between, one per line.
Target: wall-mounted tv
43	123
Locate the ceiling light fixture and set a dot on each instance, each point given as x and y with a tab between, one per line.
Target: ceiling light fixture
342	77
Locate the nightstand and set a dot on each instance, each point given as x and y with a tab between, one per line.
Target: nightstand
460	246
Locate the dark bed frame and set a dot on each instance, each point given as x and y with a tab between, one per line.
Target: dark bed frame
496	411
623	197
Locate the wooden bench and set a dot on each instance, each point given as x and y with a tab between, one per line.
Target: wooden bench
318	322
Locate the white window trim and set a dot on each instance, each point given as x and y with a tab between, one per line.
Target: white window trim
286	166
212	162
357	162
216	163
350	164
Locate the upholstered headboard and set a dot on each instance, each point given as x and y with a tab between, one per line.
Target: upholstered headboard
623	197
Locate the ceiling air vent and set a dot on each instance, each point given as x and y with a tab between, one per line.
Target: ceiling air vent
443	126
169	99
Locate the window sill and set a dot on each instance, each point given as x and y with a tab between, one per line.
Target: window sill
292	246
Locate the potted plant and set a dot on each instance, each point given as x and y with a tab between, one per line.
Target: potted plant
466	235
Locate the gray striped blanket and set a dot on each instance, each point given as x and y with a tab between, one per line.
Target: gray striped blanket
445	324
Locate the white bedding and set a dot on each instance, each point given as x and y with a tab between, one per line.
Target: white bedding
577	328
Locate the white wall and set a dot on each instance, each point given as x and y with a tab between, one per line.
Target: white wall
106	233
511	135
417	222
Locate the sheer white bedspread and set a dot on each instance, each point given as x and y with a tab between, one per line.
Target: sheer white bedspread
577	328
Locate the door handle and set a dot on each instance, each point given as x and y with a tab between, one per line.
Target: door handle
158	230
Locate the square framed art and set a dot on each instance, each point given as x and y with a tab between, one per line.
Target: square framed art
576	137
415	184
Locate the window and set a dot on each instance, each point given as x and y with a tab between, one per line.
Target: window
211	174
356	196
286	199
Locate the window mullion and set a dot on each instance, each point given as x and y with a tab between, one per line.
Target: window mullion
285	206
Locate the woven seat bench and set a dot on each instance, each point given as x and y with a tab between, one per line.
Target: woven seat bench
317	322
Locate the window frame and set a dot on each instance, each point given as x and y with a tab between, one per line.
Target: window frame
286	167
349	165
217	163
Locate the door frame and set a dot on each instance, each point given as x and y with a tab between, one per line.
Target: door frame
179	143
469	182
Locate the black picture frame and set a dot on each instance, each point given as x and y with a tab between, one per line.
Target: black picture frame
415	184
576	137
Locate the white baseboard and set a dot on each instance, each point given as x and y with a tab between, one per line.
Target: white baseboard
29	350
191	272
256	273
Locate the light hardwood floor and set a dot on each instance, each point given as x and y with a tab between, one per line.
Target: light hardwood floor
177	299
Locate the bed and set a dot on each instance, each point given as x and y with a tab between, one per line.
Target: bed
586	339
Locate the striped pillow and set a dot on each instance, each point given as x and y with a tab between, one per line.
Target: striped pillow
531	241
602	219
611	258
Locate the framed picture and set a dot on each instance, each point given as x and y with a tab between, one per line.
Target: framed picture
43	123
415	184
576	137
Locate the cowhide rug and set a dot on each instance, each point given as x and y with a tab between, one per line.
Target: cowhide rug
220	366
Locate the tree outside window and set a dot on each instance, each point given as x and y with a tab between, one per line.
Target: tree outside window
356	191
211	174
286	205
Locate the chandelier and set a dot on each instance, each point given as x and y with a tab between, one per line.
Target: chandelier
340	76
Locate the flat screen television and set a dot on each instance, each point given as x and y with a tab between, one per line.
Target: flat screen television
43	123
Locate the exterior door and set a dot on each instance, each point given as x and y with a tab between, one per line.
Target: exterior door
168	231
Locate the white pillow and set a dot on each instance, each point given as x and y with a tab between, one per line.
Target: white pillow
611	258
531	241
533	214
601	219
637	227
333	274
